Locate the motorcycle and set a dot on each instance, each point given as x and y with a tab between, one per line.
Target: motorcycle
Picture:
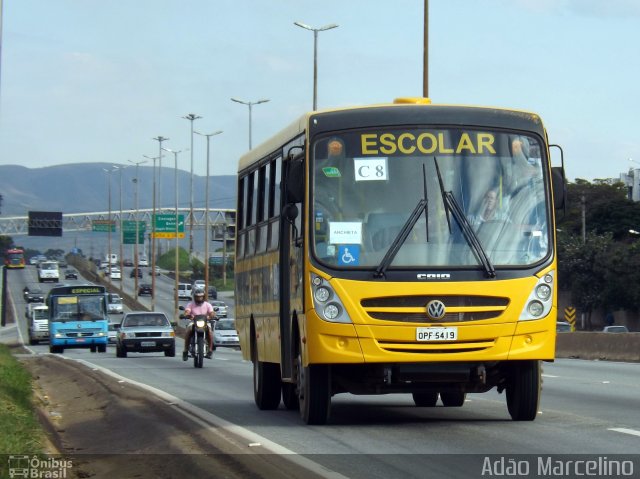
198	346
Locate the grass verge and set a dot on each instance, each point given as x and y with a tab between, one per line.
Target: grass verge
21	431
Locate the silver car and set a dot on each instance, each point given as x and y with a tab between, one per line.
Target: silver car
220	307
145	332
225	334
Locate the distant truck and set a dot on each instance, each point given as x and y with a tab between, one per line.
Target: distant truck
48	271
38	323
111	258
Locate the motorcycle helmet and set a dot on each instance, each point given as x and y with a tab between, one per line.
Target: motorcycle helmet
198	296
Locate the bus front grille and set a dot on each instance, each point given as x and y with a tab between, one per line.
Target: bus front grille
413	309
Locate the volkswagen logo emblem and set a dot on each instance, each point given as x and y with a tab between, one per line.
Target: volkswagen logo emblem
436	309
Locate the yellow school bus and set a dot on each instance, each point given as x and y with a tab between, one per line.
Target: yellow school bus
398	248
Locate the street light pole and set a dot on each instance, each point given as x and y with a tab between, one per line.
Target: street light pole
315	55
250	104
206	215
153	237
191	117
135	248
109	226
120	168
160	139
175	292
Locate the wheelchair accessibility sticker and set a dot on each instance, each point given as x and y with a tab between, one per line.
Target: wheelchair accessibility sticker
349	255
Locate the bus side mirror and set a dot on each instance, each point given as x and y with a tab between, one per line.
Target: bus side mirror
290	212
295	180
559	186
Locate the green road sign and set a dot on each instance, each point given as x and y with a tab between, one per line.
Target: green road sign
103	226
166	226
129	232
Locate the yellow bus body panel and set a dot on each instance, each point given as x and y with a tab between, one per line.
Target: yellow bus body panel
370	340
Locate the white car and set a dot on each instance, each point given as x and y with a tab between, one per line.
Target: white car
115	304
115	273
220	307
225	334
143	262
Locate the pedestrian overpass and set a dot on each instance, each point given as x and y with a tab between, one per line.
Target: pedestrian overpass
221	221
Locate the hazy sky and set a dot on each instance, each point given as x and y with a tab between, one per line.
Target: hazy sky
96	80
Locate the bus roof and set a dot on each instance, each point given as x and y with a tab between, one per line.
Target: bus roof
403	112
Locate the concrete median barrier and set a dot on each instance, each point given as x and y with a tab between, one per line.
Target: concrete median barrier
596	345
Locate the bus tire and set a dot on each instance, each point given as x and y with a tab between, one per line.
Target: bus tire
266	385
55	349
523	390
290	396
425	398
102	348
452	398
314	392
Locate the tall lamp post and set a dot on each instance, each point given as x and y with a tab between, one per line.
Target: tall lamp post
206	215
250	104
160	139
191	117
120	168
109	171
175	292
153	236
136	180
315	55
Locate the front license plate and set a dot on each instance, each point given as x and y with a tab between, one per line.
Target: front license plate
436	334
147	344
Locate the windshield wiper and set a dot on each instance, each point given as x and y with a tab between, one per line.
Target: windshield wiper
401	238
452	205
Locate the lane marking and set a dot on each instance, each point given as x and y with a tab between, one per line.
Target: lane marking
213	422
624	430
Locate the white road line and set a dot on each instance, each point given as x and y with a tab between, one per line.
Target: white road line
214	422
549	376
624	430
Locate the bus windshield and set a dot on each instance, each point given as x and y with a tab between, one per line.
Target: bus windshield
478	197
83	308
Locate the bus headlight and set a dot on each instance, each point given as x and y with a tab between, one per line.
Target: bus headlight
543	291
331	311
540	299
322	292
535	308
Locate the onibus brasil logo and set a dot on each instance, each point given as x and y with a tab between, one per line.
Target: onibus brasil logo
38	467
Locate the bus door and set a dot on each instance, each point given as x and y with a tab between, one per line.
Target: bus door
291	257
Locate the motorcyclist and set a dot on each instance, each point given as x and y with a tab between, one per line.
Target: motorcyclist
198	307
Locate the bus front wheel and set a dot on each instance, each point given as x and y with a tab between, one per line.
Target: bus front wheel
523	390
266	383
314	392
55	349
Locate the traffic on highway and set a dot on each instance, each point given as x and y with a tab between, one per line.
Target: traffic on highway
588	407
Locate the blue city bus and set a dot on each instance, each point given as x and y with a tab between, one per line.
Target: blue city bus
78	318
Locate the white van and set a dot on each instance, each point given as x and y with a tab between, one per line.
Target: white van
184	291
48	271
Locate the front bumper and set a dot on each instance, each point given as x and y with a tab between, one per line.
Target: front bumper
148	345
